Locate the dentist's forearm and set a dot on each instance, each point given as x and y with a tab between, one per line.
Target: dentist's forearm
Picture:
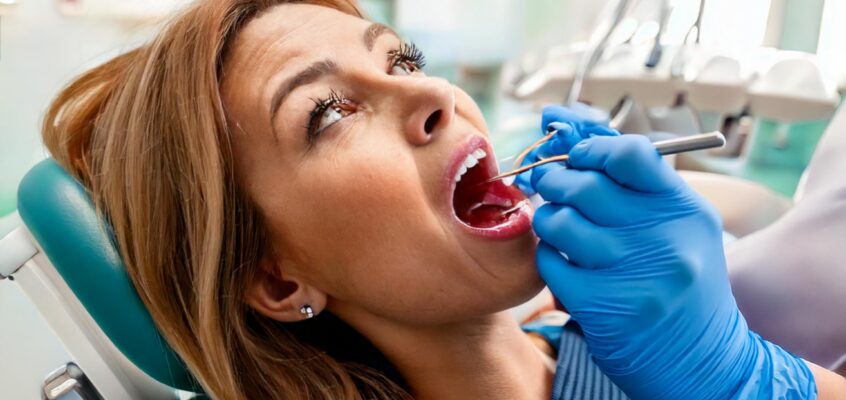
830	386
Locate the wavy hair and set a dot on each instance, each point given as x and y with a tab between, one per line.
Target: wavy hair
146	133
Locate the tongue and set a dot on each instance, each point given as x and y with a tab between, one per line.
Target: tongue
484	216
484	205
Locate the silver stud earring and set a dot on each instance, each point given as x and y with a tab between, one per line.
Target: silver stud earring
307	311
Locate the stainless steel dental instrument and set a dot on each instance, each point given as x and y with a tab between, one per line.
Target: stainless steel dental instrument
664	147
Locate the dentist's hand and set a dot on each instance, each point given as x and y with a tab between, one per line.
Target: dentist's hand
573	125
636	256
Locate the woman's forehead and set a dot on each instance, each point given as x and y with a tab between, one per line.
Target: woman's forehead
289	29
274	44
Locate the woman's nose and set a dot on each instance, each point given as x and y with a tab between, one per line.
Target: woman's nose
429	108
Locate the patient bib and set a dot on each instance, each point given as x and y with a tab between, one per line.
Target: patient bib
576	375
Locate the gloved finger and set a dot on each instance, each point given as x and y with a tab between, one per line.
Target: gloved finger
523	183
524	180
594	194
579	115
556	113
586	244
565	280
599	130
562	143
541	170
564	140
567	137
630	160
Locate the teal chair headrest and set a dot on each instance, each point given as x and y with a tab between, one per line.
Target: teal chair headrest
60	215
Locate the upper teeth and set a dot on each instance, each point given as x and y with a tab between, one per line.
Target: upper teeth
471	161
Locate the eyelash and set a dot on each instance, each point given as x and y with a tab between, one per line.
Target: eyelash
320	106
410	53
406	53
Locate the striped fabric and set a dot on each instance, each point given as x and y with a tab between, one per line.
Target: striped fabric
577	377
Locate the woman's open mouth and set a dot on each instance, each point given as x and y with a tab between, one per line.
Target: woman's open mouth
490	209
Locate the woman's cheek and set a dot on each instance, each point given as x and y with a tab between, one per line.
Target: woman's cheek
467	107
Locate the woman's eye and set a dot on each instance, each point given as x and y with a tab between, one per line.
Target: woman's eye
406	60
326	113
329	117
404	68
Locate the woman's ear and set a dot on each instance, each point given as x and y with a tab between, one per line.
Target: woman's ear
283	298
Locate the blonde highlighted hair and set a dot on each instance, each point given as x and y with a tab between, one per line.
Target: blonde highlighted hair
146	133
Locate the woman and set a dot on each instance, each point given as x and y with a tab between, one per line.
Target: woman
300	208
263	164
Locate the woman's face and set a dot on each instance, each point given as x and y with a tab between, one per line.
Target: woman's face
351	153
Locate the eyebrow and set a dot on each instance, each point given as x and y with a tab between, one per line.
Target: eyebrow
320	68
304	77
373	32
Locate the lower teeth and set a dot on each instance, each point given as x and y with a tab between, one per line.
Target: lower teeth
515	208
474	207
490	215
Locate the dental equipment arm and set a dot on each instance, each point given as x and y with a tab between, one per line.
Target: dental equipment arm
681	58
597	45
657	51
637	258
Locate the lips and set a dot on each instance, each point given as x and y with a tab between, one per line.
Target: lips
489	210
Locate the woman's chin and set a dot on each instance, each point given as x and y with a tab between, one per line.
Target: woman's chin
516	276
532	285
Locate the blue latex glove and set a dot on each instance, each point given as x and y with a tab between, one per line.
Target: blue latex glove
636	257
572	125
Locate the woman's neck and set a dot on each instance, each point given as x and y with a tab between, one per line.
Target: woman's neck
486	358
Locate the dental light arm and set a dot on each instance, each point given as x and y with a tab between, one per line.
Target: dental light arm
694	34
598	43
657	51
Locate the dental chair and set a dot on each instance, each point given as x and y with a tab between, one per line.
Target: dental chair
66	263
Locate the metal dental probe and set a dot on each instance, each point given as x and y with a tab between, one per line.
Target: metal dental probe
664	147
